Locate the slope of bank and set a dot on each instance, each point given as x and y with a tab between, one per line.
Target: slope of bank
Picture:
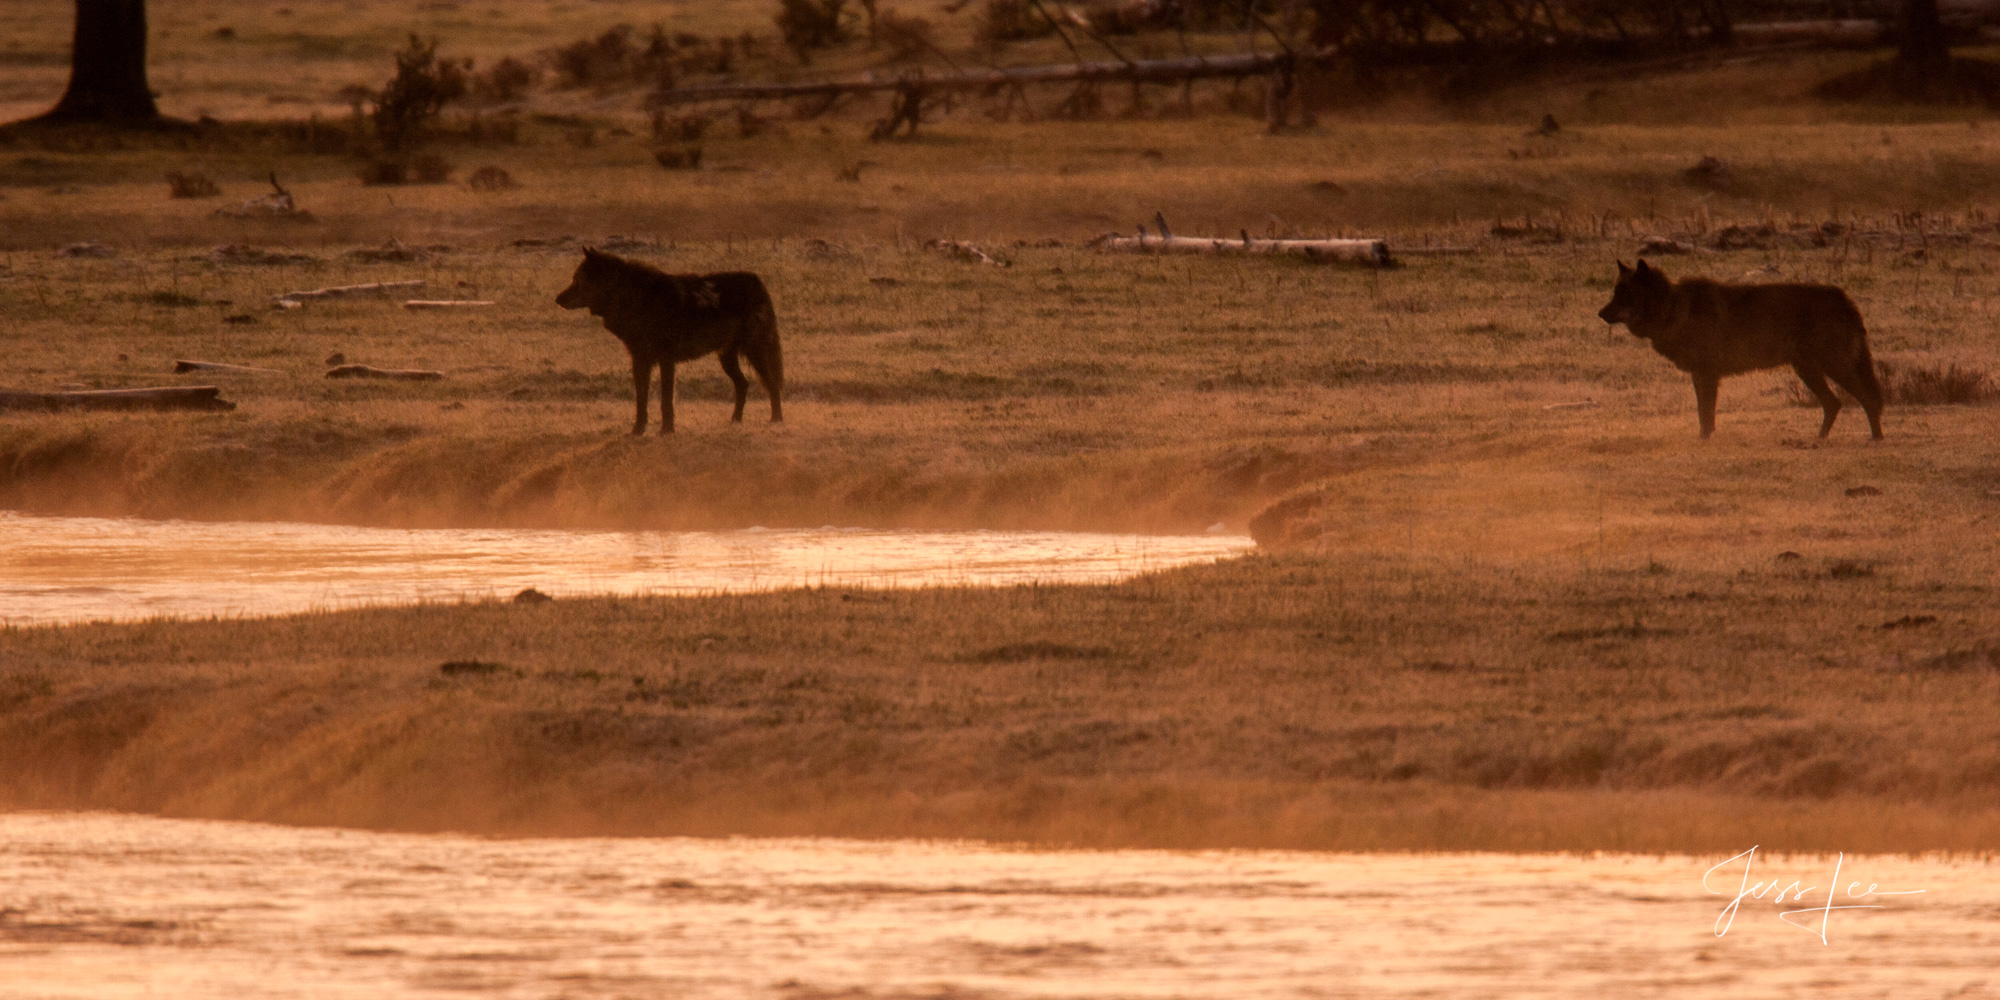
1686	699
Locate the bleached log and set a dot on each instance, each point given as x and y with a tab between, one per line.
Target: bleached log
174	397
1436	251
404	374
444	303
1145	70
1855	33
183	367
964	251
342	291
1374	252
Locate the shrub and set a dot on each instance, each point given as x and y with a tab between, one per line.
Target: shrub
679	159
1915	385
906	37
1946	384
682	128
1003	21
595	62
430	168
806	25
490	179
376	172
194	184
504	81
423	85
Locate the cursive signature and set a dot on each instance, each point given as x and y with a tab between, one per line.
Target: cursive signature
1796	892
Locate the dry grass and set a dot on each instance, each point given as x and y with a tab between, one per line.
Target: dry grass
1509	625
1424	700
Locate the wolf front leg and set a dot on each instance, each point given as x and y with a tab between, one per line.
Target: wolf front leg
1705	386
642	381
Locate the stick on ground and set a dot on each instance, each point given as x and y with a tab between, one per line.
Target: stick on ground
175	397
403	374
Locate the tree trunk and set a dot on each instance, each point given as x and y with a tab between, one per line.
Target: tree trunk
1923	34
107	75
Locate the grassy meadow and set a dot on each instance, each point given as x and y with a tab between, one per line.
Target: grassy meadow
1483	618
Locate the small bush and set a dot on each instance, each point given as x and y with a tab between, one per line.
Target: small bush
191	185
504	81
499	130
422	86
490	179
1948	384
681	128
679	159
1004	21
595	62
430	168
906	37
1916	385
377	172
806	25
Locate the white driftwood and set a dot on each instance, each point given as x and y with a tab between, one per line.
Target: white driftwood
1149	70
175	397
1357	251
444	303
404	374
342	291
1850	33
963	251
1436	251
183	367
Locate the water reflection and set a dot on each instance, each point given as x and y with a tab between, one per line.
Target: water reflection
104	906
56	569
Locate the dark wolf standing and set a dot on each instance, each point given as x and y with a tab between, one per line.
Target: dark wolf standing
665	319
1709	329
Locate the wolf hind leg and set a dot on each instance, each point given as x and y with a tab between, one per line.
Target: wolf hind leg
1705	388
1829	404
667	386
767	359
734	370
1862	385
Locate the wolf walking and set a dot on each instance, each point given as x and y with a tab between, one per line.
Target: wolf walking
1709	329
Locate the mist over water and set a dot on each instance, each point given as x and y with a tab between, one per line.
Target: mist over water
101	905
69	569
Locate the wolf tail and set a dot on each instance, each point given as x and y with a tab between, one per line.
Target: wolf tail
767	357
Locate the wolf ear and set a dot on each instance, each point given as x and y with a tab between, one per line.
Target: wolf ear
592	252
1642	268
1622	269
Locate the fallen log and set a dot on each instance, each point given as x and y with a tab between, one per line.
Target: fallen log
1374	252
183	367
961	250
404	374
444	303
176	397
1141	71
1848	33
342	291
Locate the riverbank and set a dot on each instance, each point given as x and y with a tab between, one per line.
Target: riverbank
1438	700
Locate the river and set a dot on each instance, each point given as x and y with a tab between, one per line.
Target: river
106	906
70	569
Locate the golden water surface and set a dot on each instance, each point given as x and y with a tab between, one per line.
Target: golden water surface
67	569
100	905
